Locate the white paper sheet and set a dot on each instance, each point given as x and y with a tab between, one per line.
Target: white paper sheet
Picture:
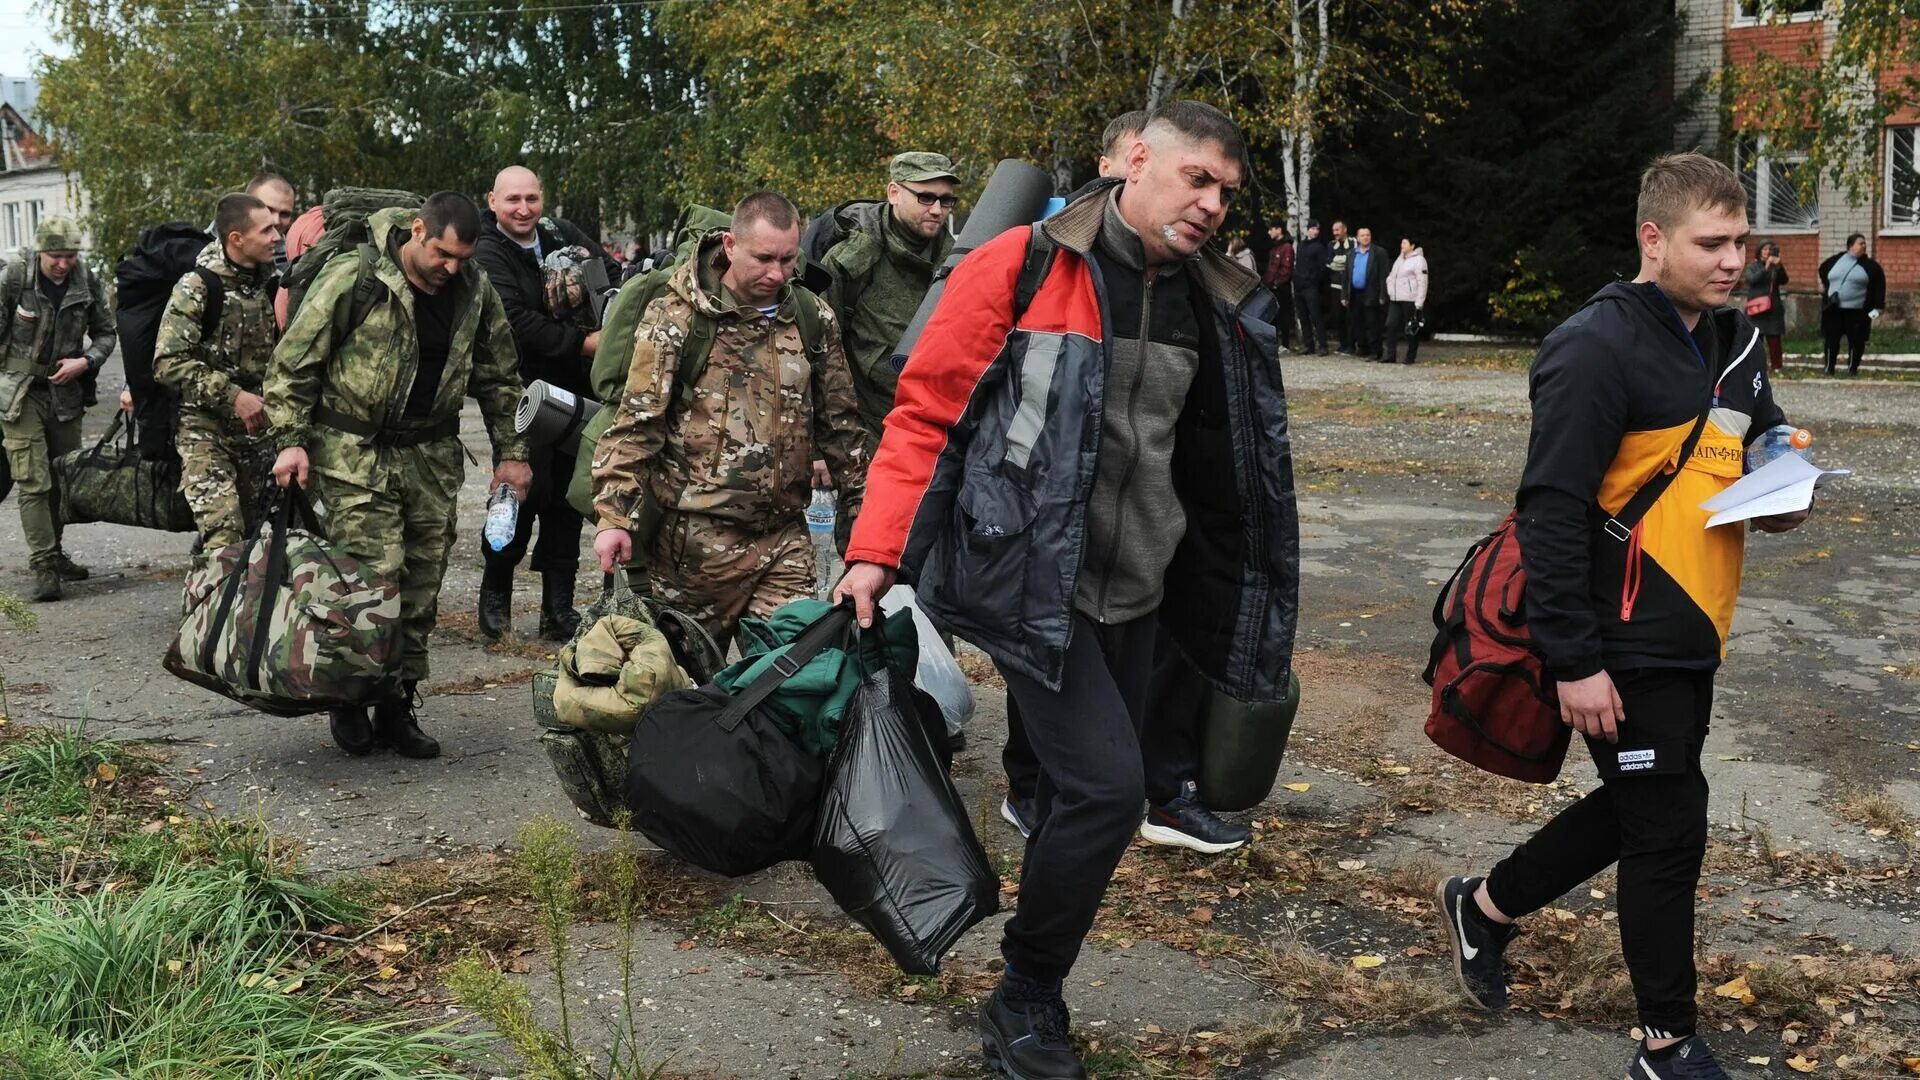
1782	486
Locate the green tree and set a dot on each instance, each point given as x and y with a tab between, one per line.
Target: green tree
162	109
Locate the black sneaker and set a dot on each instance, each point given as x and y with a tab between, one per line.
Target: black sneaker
1185	821
1479	944
1019	814
1689	1059
1028	1040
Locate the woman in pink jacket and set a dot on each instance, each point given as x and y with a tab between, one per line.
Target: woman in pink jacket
1406	300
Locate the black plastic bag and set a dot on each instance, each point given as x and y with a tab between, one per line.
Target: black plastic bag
894	844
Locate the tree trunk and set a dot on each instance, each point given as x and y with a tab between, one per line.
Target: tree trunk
1299	136
1164	82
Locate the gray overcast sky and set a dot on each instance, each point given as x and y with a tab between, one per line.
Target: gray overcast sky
25	32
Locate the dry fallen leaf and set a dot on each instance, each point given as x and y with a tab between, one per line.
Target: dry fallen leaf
388	972
1353	864
1736	989
1912	1064
175	966
1399	770
1364	962
1801	1065
1758	1060
106	770
1201	915
1297	787
701	970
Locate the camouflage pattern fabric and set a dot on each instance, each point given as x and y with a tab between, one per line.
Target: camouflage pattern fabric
611	672
35	334
567	294
224	471
287	623
401	534
715	571
225	479
742	449
880	272
33	441
111	481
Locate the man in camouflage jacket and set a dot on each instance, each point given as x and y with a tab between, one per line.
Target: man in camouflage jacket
363	396
218	371
55	326
728	453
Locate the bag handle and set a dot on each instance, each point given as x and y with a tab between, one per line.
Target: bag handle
106	439
825	630
1620	526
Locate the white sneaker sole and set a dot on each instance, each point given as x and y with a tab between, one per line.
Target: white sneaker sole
1160	834
1013	819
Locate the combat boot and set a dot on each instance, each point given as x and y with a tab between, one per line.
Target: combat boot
351	730
396	724
496	600
46	583
558	620
68	569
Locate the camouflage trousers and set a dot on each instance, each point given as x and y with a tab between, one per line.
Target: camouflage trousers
224	477
32	442
401	532
716	571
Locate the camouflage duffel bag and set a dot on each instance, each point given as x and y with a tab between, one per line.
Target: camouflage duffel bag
112	482
592	765
285	622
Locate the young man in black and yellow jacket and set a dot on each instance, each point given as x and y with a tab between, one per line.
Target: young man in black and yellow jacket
1633	623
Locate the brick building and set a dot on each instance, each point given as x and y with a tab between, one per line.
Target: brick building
1730	32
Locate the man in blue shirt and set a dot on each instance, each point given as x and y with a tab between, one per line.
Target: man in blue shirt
1366	295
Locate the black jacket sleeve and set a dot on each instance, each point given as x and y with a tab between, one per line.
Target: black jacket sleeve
1580	414
1876	286
549	347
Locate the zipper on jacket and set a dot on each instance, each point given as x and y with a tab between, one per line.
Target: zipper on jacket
1630	577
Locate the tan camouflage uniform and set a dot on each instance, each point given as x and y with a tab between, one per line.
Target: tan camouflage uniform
223	470
734	467
38	420
388	497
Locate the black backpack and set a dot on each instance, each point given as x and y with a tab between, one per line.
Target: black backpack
144	279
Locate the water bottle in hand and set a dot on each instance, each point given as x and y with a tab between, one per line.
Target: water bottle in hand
820	514
1777	440
503	517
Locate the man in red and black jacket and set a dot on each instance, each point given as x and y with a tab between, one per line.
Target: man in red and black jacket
1060	481
1632	624
1279	279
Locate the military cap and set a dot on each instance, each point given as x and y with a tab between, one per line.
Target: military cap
58	234
917	165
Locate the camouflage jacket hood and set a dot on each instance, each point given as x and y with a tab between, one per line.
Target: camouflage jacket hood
697	281
209	372
366	372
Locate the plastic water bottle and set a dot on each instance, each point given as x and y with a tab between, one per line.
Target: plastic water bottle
820	519
503	517
1777	440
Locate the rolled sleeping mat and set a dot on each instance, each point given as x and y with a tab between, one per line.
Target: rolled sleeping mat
548	414
1016	194
1241	747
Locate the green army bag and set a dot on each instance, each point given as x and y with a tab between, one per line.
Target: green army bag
112	482
345	211
286	622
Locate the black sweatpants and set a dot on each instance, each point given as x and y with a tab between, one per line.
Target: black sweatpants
1176	708
1650	816
1313	319
1088	798
1283	313
558	549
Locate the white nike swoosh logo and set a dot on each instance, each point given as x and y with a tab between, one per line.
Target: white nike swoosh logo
1467	952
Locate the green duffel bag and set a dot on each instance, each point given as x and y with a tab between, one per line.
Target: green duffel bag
592	765
286	622
1241	746
111	482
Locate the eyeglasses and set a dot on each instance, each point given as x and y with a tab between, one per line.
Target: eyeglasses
928	198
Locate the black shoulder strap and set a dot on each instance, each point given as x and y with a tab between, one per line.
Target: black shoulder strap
1620	526
214	304
825	630
1033	269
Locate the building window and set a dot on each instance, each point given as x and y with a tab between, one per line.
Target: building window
36	209
14	239
1903	178
1774	194
1751	12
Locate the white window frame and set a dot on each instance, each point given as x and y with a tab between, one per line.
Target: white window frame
1759	199
1742	19
1889	227
12	211
36	210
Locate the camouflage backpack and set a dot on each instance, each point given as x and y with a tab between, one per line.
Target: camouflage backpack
286	622
346	210
592	765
